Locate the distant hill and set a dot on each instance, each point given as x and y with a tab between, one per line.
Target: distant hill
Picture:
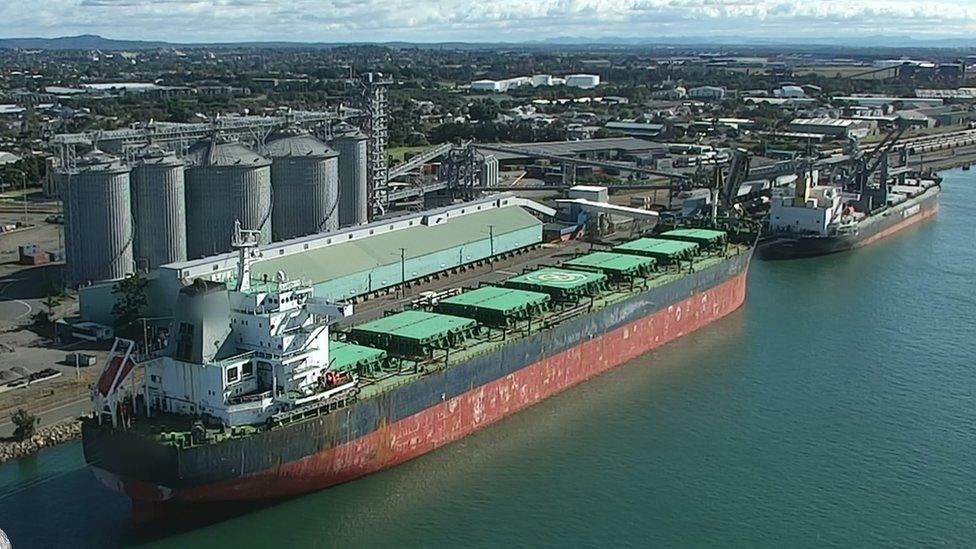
82	42
95	42
865	41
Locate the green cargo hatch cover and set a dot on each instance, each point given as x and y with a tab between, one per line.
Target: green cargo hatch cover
418	326
610	262
503	300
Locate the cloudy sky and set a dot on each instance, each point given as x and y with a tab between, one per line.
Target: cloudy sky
480	20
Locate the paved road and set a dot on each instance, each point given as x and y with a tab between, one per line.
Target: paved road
53	415
498	271
13	311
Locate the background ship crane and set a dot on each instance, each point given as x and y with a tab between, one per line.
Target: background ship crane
867	165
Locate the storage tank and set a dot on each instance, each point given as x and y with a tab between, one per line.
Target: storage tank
353	202
225	182
158	208
97	219
488	173
305	185
584	81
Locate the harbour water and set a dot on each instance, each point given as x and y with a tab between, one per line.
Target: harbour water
837	408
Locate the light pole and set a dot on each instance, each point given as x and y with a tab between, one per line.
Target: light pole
403	272
491	247
23	178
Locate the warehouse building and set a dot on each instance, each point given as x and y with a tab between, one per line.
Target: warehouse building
488	85
583	81
358	261
636	129
833	127
707	93
881	101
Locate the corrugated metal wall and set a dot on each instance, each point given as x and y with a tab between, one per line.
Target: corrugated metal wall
306	191
159	210
353	203
216	196
385	276
98	224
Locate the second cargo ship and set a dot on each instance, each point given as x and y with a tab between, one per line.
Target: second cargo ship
254	398
824	219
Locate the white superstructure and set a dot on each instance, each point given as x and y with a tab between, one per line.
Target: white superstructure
238	356
814	210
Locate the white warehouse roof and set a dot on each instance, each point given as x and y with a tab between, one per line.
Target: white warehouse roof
837	122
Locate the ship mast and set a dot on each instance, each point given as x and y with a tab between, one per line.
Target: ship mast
245	242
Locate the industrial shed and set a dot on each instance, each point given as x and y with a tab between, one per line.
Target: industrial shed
358	267
356	261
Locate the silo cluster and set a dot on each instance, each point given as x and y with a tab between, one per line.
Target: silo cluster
305	184
488	172
158	207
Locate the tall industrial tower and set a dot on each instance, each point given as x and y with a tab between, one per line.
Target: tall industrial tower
375	127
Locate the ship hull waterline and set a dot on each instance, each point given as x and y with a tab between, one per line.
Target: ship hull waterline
452	418
896	220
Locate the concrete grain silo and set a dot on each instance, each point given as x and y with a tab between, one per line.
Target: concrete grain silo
97	219
225	182
158	208
305	184
353	201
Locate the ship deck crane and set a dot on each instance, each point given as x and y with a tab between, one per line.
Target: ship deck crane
867	164
736	175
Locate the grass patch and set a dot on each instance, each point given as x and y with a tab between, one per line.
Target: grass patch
397	153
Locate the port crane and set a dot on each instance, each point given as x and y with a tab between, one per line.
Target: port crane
866	165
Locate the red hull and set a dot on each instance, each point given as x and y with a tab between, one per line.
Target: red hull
471	411
908	222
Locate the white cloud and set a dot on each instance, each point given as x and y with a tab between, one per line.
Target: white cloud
478	20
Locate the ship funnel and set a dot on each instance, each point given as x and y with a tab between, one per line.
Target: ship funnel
201	324
802	190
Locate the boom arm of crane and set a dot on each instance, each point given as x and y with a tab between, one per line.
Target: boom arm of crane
883	148
869	162
736	176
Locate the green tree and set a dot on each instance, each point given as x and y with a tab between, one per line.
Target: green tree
417	139
485	110
130	302
25	423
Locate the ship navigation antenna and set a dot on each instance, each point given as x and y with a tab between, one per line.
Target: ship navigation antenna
245	241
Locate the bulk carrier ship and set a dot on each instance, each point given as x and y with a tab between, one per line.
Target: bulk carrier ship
876	201
823	220
258	395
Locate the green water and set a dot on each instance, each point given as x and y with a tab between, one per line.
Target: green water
837	408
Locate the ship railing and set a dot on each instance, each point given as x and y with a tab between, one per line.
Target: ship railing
235	358
139	358
844	229
566	314
303	399
317	408
252	397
